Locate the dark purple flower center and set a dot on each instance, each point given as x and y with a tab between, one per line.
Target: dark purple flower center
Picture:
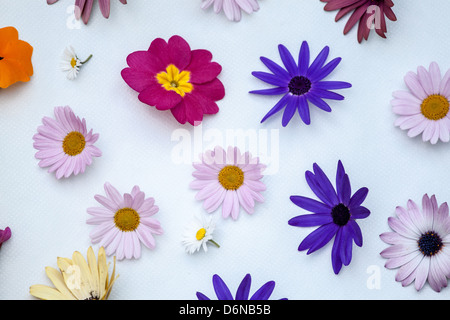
299	85
430	243
340	214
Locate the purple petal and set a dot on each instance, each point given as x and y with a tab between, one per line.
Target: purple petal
280	105
244	288
288	60
311	220
336	252
303	59
326	70
332	85
318	238
289	111
303	109
275	68
201	296
325	184
271	91
270	78
358	197
318	62
310	205
264	292
221	289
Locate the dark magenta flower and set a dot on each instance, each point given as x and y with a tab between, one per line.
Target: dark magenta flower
242	293
5	235
300	83
369	13
171	76
335	215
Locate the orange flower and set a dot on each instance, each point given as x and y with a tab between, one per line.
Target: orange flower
15	58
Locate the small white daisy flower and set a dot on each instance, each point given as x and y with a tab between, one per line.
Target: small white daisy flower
198	233
70	63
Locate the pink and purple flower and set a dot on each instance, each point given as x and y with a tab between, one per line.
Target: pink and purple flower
64	144
300	83
232	8
171	76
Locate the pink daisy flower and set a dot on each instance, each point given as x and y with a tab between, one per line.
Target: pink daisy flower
424	109
83	8
232	8
64	144
171	76
230	179
419	244
124	222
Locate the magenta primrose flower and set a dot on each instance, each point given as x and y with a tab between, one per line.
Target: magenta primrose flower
171	76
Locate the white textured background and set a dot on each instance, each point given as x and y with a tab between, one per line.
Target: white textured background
47	216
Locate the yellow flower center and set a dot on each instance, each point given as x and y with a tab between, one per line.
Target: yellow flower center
73	62
200	234
74	143
127	219
174	80
231	177
435	107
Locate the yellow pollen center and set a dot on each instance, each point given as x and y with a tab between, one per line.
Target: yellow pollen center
73	143
200	234
127	219
435	107
174	80
231	177
73	62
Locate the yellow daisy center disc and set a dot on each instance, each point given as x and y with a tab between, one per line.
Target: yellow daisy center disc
174	80
73	143
231	177
73	62
127	219
435	107
200	234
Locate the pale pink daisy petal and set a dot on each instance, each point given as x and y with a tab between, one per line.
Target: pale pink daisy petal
123	222
424	109
232	8
417	244
228	178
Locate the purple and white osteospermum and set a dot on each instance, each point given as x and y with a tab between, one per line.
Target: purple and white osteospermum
419	244
228	178
232	8
64	144
424	109
124	222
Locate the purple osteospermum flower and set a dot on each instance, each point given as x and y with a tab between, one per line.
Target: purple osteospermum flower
335	215
83	8
5	235
369	13
300	83
425	108
419	244
242	293
64	144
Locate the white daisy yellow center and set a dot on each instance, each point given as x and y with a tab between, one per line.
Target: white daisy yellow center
231	177
127	219
73	143
200	234
435	107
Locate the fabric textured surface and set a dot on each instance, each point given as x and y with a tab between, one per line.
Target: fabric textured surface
143	146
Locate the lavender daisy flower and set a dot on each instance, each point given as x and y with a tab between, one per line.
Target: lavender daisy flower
300	83
419	244
242	293
335	215
64	144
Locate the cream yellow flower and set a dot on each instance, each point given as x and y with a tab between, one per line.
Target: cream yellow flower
78	279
